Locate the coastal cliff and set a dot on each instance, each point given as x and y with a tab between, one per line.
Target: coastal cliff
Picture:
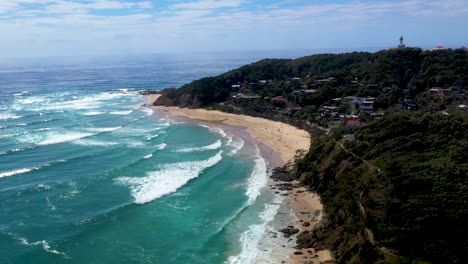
398	193
389	151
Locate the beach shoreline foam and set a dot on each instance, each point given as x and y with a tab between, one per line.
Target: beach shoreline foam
278	143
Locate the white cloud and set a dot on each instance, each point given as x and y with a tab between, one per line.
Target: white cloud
208	4
204	23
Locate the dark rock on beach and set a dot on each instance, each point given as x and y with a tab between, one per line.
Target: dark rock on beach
308	239
289	231
280	174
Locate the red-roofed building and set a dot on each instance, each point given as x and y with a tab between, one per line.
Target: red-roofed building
279	99
440	48
354	123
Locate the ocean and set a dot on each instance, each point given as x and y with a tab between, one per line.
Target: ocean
89	175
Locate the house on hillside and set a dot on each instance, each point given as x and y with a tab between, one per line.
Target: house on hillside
241	96
326	80
440	91
279	99
364	104
354	124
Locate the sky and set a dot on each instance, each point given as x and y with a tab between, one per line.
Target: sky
77	27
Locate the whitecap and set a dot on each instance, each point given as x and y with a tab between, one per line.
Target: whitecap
44	186
16	172
121	112
8	116
257	180
152	136
161	146
43	129
148	111
213	146
236	144
148	156
93	113
89	142
168	180
250	239
103	129
216	130
43	243
57	138
8	135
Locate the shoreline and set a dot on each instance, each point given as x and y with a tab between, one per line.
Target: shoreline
278	145
280	137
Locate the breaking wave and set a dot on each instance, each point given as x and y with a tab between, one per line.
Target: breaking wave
168	180
121	112
103	129
7	116
43	243
257	180
57	138
250	239
216	130
15	172
236	144
213	146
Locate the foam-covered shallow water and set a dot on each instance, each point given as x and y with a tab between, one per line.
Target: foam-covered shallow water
89	175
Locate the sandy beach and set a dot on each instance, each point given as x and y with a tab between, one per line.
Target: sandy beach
284	139
309	210
280	137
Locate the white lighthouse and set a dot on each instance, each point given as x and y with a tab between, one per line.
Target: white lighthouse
401	46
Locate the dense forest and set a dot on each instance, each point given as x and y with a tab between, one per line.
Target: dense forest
383	75
396	190
398	193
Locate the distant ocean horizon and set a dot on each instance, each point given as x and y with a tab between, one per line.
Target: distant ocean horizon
89	175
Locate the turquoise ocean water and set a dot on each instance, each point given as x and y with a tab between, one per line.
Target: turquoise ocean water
88	175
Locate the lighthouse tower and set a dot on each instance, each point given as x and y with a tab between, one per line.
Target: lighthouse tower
401	46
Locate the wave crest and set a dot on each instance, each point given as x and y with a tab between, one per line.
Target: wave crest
213	146
168	180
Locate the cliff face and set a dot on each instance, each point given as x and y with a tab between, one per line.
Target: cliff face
397	194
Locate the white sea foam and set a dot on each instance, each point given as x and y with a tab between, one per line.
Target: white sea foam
213	146
7	116
168	180
148	111
135	144
57	138
121	112
43	243
90	142
152	136
93	113
149	156
8	135
43	129
161	146
103	129
216	130
236	144
44	186
21	93
250	239
65	101
16	172
257	180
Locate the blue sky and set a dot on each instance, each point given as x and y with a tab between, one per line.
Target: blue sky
59	27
